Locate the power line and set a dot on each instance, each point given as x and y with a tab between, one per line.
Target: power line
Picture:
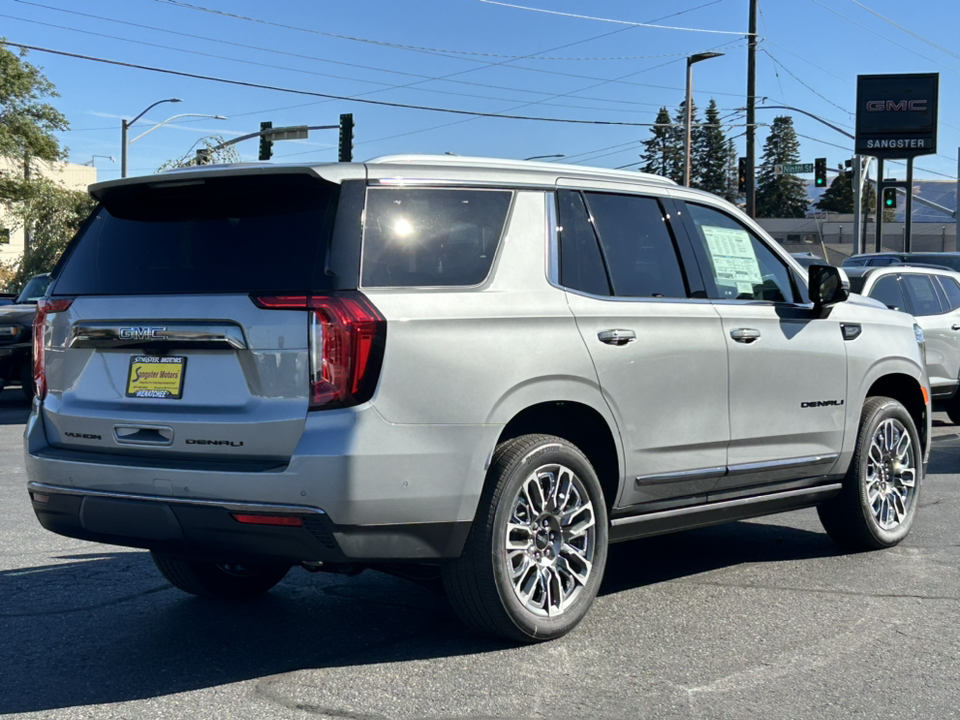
892	162
328	96
617	22
897	25
301	56
483	63
815	92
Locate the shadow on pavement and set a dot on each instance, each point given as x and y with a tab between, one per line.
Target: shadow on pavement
105	627
14	406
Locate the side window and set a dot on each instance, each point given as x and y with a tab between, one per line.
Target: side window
639	250
887	290
951	289
581	264
430	236
922	294
743	267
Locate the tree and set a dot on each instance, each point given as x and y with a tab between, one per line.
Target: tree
781	196
732	191
679	133
710	154
54	213
659	152
212	146
839	196
27	124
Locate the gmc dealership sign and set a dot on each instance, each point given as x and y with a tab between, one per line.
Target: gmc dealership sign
897	115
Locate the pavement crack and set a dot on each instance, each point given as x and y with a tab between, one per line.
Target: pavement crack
826	591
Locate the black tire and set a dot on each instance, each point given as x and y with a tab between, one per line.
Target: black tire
220	582
26	379
952	406
546	558
877	505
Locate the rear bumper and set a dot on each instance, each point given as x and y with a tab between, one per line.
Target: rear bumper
366	490
209	531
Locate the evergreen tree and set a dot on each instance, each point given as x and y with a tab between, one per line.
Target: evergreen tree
710	157
678	133
781	196
839	196
658	156
732	192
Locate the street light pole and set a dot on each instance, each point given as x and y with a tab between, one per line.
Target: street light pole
125	126
688	111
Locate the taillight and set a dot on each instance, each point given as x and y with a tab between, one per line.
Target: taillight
346	336
45	307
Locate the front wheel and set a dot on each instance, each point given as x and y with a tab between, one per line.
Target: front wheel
536	553
878	502
220	581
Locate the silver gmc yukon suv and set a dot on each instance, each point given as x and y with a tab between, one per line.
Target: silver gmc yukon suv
488	370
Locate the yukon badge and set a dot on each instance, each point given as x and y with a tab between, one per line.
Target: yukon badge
821	403
140	333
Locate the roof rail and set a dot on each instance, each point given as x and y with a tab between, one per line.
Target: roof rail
513	164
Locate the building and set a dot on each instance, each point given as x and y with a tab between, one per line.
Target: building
70	175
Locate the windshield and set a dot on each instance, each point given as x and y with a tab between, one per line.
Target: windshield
35	289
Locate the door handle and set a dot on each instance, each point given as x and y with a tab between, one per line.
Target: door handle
745	335
617	337
955	327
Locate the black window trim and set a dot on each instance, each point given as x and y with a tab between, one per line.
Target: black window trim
689	266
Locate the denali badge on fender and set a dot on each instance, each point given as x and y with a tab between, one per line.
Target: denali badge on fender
821	403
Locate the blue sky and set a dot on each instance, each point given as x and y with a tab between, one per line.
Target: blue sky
475	56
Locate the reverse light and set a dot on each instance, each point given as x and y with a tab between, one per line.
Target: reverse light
346	336
41	339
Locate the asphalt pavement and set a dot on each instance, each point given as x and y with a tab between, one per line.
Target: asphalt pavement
760	619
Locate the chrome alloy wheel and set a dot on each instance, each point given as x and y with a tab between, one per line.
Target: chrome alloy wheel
550	540
891	474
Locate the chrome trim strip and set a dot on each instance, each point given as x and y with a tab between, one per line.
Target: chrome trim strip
465	184
694	509
225	504
781	464
107	335
702	474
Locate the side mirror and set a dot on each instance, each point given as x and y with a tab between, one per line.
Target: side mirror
827	285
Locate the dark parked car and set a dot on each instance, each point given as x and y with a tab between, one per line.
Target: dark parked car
949	260
16	335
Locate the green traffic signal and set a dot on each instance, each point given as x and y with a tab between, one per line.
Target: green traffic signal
820	172
890	198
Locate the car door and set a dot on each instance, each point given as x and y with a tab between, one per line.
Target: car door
934	316
788	375
658	350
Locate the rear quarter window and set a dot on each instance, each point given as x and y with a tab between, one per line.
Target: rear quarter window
431	237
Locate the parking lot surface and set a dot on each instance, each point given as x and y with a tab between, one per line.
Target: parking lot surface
763	619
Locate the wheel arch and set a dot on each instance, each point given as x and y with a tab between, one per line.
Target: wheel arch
580	424
908	391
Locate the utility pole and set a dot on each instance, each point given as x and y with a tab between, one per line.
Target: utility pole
751	112
27	228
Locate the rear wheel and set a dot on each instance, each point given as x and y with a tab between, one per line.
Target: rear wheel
219	581
878	502
536	552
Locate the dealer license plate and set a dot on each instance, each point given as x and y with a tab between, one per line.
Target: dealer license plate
156	377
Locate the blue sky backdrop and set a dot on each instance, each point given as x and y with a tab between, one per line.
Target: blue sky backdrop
559	59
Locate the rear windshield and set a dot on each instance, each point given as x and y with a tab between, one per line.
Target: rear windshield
264	233
950	261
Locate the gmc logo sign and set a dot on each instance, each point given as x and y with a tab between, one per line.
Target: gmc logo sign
896	106
140	333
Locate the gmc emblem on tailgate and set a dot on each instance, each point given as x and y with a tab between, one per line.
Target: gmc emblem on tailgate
140	333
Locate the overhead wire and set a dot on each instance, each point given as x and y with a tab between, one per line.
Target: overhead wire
897	25
301	56
331	96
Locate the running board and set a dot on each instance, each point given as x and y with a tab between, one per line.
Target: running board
666	521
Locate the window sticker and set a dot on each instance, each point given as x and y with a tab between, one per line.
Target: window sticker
734	261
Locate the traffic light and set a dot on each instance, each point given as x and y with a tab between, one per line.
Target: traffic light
742	175
820	172
266	144
890	198
346	138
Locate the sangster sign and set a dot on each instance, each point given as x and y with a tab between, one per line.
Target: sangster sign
897	115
